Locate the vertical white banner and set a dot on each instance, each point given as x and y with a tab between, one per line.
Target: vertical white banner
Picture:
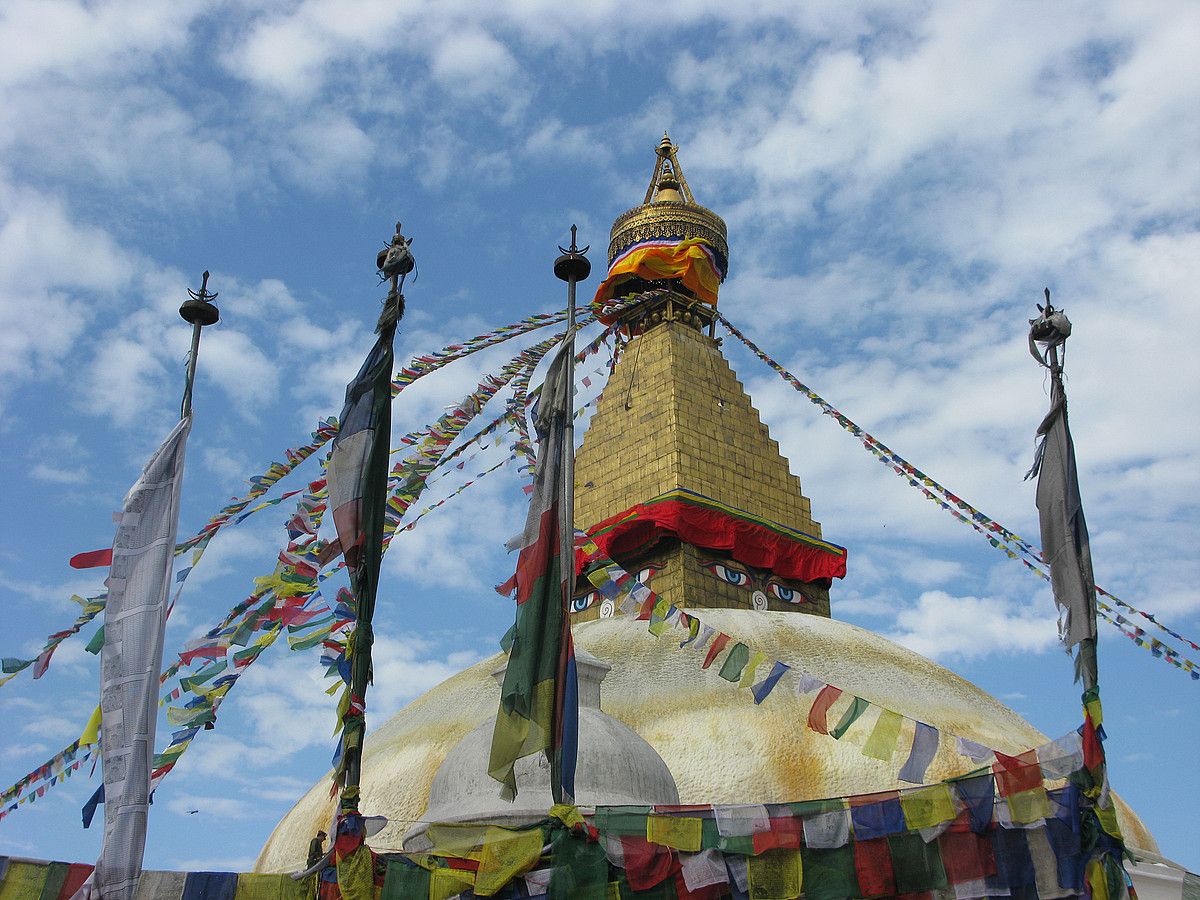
134	621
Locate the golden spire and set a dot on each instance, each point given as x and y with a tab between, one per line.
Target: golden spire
669	210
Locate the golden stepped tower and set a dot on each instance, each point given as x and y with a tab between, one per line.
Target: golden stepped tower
674	415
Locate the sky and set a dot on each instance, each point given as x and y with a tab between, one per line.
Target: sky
900	182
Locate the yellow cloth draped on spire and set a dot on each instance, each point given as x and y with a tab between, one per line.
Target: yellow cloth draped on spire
691	261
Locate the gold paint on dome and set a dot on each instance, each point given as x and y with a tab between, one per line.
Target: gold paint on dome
720	746
669	210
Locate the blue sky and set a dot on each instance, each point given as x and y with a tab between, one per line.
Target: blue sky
899	184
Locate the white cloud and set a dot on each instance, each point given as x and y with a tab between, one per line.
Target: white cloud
943	626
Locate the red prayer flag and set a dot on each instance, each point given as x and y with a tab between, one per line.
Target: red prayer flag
707	892
646	864
92	559
715	649
784	832
967	856
820	707
873	865
1017	773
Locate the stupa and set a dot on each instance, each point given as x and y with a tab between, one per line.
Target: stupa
674	441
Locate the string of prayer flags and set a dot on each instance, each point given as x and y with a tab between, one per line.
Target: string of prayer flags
953	838
91	607
1157	648
996	534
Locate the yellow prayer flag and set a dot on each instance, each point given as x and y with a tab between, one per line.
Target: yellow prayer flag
775	875
757	658
1095	710
674	831
928	806
446	883
462	841
259	887
1098	880
882	742
23	881
1108	819
567	814
91	731
1027	807
356	875
505	855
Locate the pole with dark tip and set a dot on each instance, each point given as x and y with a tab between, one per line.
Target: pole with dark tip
572	267
199	310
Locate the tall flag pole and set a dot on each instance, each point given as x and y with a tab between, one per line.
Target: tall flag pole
357	476
1067	553
1065	546
135	618
539	699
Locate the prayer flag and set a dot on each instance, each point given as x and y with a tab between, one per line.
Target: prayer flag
539	698
357	477
873	865
856	708
1017	773
679	832
714	651
135	619
1065	545
735	662
882	742
877	815
764	687
927	806
775	874
924	746
757	658
93	559
820	708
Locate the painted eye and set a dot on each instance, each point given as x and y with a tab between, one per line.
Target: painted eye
785	593
579	604
647	573
732	576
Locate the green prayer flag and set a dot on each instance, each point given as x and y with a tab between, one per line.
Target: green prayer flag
627	820
97	642
580	868
917	865
712	839
829	874
882	742
56	875
856	709
404	881
739	656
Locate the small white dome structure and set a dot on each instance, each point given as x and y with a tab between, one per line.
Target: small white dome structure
615	766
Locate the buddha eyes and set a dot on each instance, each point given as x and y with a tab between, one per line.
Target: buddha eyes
591	598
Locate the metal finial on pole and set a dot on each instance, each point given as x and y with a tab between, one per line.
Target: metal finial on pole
572	266
199	310
394	262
